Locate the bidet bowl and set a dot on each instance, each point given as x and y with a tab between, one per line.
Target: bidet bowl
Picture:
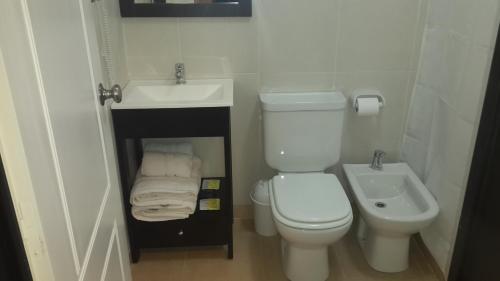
394	204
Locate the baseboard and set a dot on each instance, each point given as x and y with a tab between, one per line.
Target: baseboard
428	256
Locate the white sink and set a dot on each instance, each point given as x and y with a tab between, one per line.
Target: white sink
167	94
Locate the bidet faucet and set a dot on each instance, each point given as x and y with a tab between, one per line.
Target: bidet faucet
180	73
377	163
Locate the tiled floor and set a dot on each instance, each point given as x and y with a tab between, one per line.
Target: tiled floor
258	258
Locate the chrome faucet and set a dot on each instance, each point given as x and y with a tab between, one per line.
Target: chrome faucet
377	164
180	73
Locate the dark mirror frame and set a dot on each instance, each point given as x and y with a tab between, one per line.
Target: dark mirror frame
243	8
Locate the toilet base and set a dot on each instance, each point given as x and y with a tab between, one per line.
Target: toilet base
385	253
305	263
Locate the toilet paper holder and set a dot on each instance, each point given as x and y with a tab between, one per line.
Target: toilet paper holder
367	94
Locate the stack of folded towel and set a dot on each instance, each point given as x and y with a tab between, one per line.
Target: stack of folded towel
167	184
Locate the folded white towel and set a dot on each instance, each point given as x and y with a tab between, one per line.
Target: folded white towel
168	147
158	164
159	214
178	165
186	208
153	164
154	191
165	198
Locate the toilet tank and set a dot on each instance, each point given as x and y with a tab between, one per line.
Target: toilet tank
302	131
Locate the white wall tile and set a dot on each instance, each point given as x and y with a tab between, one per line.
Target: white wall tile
376	35
362	135
450	144
440	13
208	40
449	196
486	22
246	135
296	81
432	68
454	66
297	36
119	72
152	47
414	152
207	67
420	116
455	59
439	246
474	81
419	34
462	19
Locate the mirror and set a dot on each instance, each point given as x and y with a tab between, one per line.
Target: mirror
186	8
184	1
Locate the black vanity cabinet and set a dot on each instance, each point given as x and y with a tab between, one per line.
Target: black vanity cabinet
203	228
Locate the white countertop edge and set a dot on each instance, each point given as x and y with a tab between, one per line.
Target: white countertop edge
118	106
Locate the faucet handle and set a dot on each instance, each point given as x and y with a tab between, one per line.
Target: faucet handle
379	153
179	66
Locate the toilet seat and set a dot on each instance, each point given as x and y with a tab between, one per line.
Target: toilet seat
309	201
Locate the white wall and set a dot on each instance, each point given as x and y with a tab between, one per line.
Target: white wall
110	40
20	183
292	45
439	140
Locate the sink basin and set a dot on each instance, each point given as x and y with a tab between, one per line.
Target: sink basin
167	94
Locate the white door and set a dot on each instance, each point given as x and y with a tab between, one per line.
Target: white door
82	215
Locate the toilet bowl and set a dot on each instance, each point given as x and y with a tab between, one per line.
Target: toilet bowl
394	204
311	211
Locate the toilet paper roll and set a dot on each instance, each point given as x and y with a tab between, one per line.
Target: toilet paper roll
367	106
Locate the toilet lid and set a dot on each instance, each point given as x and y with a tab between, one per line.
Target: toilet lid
310	198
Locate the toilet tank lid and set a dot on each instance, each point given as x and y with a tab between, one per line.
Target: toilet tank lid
303	101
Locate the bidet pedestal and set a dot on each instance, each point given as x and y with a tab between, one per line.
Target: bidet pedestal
305	263
385	253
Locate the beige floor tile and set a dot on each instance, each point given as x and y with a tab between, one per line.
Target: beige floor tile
160	265
355	267
271	259
336	271
257	258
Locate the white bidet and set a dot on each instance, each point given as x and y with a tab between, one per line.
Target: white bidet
394	204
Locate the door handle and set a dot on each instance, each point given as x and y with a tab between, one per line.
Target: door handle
114	93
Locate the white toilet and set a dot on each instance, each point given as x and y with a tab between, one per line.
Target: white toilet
302	137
